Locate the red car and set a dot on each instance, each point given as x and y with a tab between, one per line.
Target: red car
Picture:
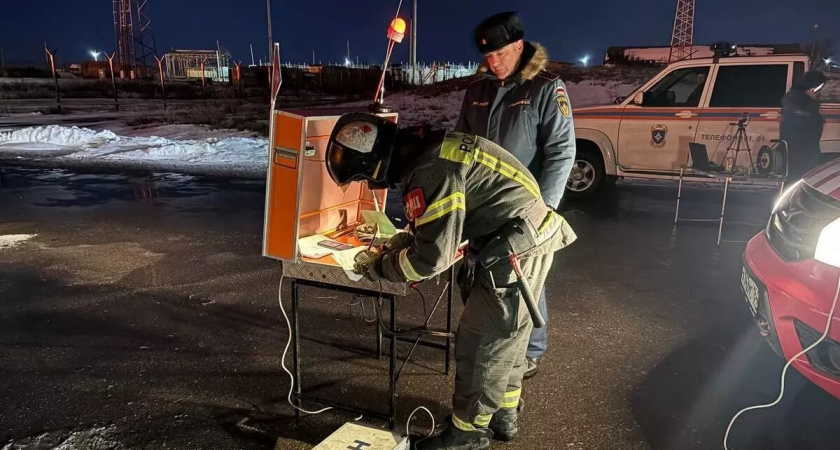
791	271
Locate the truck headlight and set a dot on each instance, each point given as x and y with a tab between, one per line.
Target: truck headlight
828	244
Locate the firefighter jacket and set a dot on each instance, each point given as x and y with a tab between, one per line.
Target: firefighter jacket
529	115
465	188
801	126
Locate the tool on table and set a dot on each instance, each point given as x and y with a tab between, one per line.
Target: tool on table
373	239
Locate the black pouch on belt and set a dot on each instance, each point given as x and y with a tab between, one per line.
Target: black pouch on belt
514	237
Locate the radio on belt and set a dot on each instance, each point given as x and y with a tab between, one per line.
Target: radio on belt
301	198
354	436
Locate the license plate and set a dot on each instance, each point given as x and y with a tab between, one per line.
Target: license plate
751	292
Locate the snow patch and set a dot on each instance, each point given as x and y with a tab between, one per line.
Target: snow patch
101	438
13	240
82	144
59	135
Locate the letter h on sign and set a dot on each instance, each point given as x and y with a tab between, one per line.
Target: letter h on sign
359	445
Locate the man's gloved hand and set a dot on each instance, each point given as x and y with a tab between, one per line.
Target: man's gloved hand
398	242
366	264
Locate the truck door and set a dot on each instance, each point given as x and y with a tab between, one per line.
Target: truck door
739	89
654	135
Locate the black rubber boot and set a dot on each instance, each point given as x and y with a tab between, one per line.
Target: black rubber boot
504	424
455	439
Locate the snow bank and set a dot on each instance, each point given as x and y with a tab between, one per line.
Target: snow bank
82	144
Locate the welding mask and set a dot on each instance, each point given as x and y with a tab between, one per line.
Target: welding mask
360	148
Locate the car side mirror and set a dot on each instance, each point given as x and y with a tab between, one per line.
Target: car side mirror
639	98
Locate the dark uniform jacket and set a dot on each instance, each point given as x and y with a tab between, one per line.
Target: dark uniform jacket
530	116
463	189
801	127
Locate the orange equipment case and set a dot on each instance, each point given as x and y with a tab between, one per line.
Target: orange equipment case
301	199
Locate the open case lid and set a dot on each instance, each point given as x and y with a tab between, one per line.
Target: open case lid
301	198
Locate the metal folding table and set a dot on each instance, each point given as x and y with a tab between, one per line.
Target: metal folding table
727	178
334	278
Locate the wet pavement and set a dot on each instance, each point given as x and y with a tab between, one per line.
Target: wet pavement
142	307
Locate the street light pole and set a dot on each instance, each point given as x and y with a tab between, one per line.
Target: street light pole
414	37
268	18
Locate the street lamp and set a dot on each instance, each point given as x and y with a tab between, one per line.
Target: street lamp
95	55
584	60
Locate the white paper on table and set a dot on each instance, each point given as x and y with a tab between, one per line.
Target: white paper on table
309	248
353	276
347	258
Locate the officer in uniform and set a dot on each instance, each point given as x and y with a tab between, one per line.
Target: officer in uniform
526	110
458	187
801	125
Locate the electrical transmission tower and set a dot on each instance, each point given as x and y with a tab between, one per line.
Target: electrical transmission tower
146	48
135	42
682	38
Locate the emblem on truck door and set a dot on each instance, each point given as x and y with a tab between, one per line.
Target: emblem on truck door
657	135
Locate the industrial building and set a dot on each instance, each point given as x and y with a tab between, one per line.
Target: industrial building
197	64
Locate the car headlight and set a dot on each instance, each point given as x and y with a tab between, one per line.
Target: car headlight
828	244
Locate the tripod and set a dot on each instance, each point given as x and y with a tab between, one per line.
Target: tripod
740	138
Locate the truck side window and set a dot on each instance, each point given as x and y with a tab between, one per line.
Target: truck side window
749	86
680	88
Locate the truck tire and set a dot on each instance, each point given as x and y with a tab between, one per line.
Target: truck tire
588	175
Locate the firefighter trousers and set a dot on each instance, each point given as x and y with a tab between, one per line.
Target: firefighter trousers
491	342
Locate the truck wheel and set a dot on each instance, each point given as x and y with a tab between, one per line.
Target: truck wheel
588	175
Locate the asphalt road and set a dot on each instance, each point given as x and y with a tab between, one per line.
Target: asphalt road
141	315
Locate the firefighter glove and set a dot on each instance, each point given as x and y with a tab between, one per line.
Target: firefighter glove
367	263
399	241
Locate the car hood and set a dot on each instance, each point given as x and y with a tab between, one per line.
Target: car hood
825	178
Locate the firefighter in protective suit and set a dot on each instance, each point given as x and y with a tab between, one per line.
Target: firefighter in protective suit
458	187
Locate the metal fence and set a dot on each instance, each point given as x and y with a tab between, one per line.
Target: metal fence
424	74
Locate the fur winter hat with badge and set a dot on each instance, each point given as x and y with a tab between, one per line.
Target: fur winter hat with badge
497	31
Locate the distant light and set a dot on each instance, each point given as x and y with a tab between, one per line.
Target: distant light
346	62
828	61
584	60
95	55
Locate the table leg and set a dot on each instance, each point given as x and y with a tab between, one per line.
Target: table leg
378	330
723	209
392	367
449	319
295	348
679	193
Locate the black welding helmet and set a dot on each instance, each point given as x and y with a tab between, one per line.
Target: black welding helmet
360	148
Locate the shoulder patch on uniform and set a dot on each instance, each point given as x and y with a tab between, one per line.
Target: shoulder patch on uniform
563	101
415	204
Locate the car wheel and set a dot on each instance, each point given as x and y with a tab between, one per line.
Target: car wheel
588	175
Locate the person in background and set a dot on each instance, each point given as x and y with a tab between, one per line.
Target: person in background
526	110
802	124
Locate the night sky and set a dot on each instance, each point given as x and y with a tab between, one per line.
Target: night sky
569	29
